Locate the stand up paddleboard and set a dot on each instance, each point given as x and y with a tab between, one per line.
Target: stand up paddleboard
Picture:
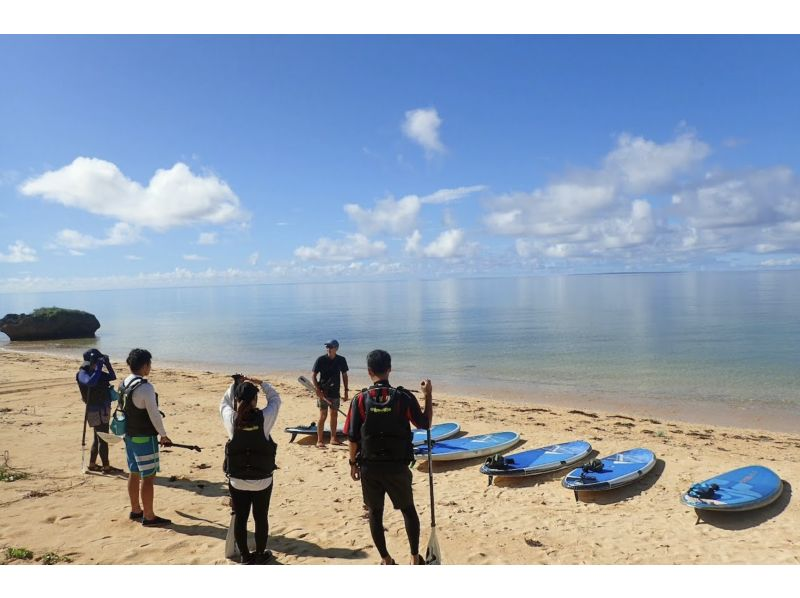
536	461
441	431
312	430
468	447
742	489
611	472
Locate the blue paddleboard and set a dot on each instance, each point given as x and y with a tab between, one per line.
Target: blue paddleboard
539	460
618	470
742	489
468	447
312	429
438	432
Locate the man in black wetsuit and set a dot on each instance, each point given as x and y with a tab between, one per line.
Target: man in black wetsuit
381	451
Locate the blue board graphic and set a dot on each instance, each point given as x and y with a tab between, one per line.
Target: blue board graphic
540	460
468	447
618	470
438	432
742	489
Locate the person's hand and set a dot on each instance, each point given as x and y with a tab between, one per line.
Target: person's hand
355	471
427	388
346	392
165	441
320	395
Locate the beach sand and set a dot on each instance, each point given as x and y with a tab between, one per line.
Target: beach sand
316	512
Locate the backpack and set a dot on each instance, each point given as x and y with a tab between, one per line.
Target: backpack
119	423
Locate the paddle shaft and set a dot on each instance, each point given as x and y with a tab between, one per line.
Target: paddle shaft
308	385
430	477
186	446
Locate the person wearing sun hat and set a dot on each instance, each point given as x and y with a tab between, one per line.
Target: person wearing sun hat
93	378
328	368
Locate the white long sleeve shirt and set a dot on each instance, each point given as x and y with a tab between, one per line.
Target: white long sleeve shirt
270	413
144	397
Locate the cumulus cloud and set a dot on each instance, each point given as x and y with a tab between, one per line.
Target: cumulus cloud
414	243
792	261
18	253
207	239
422	127
193	257
449	244
253	258
119	234
587	212
353	247
173	197
397	217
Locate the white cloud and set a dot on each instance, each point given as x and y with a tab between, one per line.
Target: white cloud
253	258
353	247
413	243
422	126
133	258
173	197
450	195
792	261
119	234
640	165
18	253
448	244
207	239
193	257
397	217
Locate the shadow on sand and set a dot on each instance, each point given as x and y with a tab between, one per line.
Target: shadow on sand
746	519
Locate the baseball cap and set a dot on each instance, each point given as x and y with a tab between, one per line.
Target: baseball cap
332	343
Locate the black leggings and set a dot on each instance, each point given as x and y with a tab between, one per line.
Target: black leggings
412	529
242	500
99	445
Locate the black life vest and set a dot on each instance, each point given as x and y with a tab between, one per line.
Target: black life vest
138	420
249	455
386	432
96	395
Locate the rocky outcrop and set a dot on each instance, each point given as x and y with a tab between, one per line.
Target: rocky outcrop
48	323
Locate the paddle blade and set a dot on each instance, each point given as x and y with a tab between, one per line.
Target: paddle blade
433	556
307	384
109	438
231	550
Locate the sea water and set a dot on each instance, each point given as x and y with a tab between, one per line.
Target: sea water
694	342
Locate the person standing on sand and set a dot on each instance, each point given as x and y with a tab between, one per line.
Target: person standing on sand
95	387
144	425
328	367
381	451
250	460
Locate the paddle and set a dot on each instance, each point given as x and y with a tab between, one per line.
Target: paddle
83	440
433	556
308	385
113	439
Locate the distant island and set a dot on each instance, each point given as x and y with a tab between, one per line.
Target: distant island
49	323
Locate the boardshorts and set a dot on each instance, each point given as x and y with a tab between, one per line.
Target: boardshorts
323	405
397	484
142	452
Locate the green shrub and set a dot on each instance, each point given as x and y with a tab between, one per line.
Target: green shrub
19	553
51	558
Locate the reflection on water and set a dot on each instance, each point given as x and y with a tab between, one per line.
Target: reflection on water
697	337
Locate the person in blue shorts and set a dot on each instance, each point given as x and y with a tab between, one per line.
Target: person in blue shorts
144	425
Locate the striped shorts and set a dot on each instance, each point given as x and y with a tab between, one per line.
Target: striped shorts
142	454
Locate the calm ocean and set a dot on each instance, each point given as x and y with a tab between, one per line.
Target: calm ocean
715	343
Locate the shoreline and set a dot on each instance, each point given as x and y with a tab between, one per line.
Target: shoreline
518	521
781	420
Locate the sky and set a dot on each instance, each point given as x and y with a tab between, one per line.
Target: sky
192	160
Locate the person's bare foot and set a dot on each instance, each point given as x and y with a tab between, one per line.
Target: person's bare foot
417	559
320	445
337	443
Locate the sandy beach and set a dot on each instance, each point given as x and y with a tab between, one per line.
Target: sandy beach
315	514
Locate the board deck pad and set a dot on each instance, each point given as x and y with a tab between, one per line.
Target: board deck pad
468	447
742	489
619	470
541	460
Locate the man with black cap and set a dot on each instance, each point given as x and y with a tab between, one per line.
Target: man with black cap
328	367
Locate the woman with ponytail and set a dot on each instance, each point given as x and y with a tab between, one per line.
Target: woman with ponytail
250	460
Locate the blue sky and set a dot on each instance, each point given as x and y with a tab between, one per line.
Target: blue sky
150	161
